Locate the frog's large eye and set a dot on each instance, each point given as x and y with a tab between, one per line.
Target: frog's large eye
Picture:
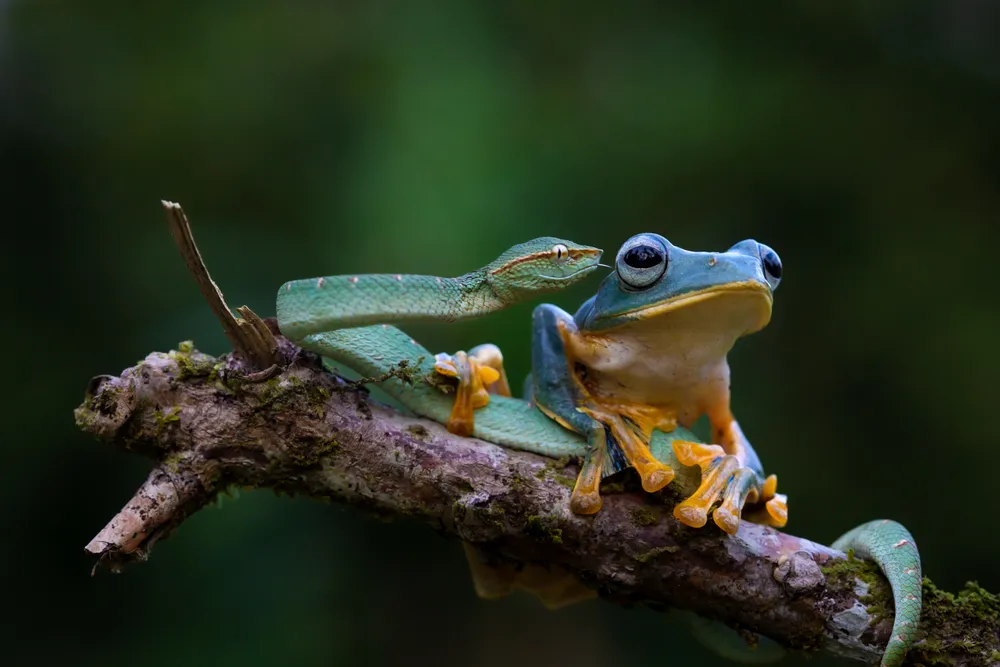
641	261
772	265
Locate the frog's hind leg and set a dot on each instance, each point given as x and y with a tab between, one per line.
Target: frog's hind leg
553	586
491	582
479	373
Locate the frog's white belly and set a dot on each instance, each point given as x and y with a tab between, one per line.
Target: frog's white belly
682	371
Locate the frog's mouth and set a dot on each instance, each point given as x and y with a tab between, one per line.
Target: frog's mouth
745	304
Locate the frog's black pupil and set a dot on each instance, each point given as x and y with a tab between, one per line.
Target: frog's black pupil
643	257
772	264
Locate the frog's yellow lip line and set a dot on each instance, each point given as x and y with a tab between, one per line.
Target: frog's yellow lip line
690	298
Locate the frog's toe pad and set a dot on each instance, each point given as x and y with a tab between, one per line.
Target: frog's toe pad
461	425
777	510
738	488
695	453
445	365
770	487
726	519
691	514
585	502
480	399
655	476
487	375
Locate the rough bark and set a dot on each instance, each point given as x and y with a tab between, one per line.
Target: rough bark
208	425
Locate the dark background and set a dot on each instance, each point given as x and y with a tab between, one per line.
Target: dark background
860	140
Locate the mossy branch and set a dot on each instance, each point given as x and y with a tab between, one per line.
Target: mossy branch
303	431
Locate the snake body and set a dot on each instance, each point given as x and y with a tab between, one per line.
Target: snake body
893	549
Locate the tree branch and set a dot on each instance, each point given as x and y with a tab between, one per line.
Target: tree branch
303	431
289	426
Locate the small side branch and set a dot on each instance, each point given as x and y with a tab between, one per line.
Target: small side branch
165	499
249	336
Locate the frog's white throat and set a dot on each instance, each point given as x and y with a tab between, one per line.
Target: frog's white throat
677	356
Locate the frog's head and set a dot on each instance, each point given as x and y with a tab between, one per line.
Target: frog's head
541	265
654	278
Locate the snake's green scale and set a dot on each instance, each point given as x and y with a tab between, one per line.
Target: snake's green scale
892	548
339	302
348	319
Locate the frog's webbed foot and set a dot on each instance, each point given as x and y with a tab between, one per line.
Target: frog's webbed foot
615	442
479	373
732	485
771	507
489	355
586	495
554	586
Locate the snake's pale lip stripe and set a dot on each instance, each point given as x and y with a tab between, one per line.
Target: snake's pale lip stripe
585	269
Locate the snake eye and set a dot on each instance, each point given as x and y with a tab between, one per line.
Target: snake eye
772	265
560	251
641	261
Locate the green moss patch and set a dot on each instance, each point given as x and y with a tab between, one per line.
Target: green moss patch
970	620
165	419
654	553
192	364
539	529
554	470
643	516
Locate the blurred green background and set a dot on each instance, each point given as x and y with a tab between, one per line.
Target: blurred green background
860	140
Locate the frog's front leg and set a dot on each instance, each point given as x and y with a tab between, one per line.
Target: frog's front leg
479	373
613	442
730	471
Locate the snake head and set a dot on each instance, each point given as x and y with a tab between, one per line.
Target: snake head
541	265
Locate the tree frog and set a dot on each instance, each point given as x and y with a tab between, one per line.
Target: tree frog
648	351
